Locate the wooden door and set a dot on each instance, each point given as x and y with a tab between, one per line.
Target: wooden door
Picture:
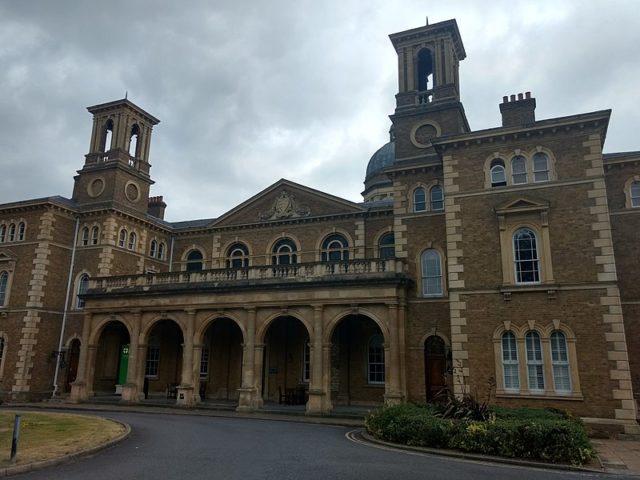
435	367
72	365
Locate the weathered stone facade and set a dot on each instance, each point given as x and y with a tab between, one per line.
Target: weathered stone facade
501	262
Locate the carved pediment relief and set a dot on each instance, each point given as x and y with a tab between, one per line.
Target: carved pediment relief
285	206
521	204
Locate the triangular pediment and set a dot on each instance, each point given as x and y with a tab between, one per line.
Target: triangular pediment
286	200
521	204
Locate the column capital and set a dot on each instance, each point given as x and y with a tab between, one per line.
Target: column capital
190	311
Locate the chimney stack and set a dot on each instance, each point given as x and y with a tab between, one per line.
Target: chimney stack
518	110
156	207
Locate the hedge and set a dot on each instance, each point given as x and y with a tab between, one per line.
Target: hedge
532	434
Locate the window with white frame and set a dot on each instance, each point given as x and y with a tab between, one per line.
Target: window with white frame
237	256
387	246
375	360
84	237
510	366
497	173
95	235
122	238
541	167
634	193
518	170
132	241
535	365
526	261
3	233
21	231
335	248
153	248
560	362
431	273
12	232
83	286
204	360
4	283
162	248
436	195
419	200
284	252
152	363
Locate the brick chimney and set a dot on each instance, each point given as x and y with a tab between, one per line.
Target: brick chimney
156	207
518	111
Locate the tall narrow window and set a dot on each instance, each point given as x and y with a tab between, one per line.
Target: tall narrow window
4	281
3	233
335	248
387	246
525	251
83	286
161	250
204	360
375	363
134	140
535	366
153	358
437	198
540	167
95	235
237	256
431	273
84	237
107	134
284	252
425	70
153	248
132	241
635	194
21	229
306	361
122	239
519	170
510	362
194	261
497	172
560	362
419	200
12	232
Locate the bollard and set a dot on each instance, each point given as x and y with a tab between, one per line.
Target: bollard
14	440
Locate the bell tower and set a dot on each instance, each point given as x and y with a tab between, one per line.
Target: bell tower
428	100
116	169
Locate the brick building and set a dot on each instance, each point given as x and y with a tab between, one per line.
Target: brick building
502	260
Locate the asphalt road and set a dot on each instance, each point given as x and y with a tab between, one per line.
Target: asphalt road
193	447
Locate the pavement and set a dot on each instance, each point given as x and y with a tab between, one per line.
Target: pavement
614	456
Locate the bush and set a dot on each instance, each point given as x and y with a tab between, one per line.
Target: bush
551	436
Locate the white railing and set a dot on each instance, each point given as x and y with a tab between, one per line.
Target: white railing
296	272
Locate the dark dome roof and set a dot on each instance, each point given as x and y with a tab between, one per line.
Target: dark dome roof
383	158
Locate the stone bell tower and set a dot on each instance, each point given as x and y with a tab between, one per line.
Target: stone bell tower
116	169
428	100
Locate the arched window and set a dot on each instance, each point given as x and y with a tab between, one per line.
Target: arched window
535	365
132	241
12	232
560	362
525	250
519	169
419	200
335	248
83	285
3	233
161	250
153	248
84	237
498	176
387	246
4	281
431	273
21	230
510	361
194	261
634	192
237	256
437	197
284	252
122	239
95	235
425	70
375	359
540	167
134	140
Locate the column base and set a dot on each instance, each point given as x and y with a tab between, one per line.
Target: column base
317	405
247	402
78	393
130	392
185	396
392	398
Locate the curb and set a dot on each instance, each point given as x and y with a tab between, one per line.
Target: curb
28	467
361	436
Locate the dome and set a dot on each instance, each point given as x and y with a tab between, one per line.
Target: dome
383	158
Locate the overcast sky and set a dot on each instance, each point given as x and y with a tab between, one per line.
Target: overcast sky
249	92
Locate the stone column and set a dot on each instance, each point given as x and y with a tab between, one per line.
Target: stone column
142	366
326	376
131	389
79	391
247	402
257	379
185	389
392	393
197	358
315	405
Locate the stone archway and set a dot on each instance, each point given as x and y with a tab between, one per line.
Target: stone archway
111	360
163	363
220	368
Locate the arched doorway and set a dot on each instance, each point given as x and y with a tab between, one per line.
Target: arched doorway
221	361
435	367
111	359
285	376
357	362
73	357
163	362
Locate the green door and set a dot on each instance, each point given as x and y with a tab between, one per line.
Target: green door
124	364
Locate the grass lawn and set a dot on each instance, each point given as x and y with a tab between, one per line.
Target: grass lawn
49	435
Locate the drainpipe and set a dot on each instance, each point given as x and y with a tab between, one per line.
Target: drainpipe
66	307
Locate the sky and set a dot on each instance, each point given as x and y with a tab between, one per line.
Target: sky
252	91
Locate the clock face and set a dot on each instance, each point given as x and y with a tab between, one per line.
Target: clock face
424	134
132	192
